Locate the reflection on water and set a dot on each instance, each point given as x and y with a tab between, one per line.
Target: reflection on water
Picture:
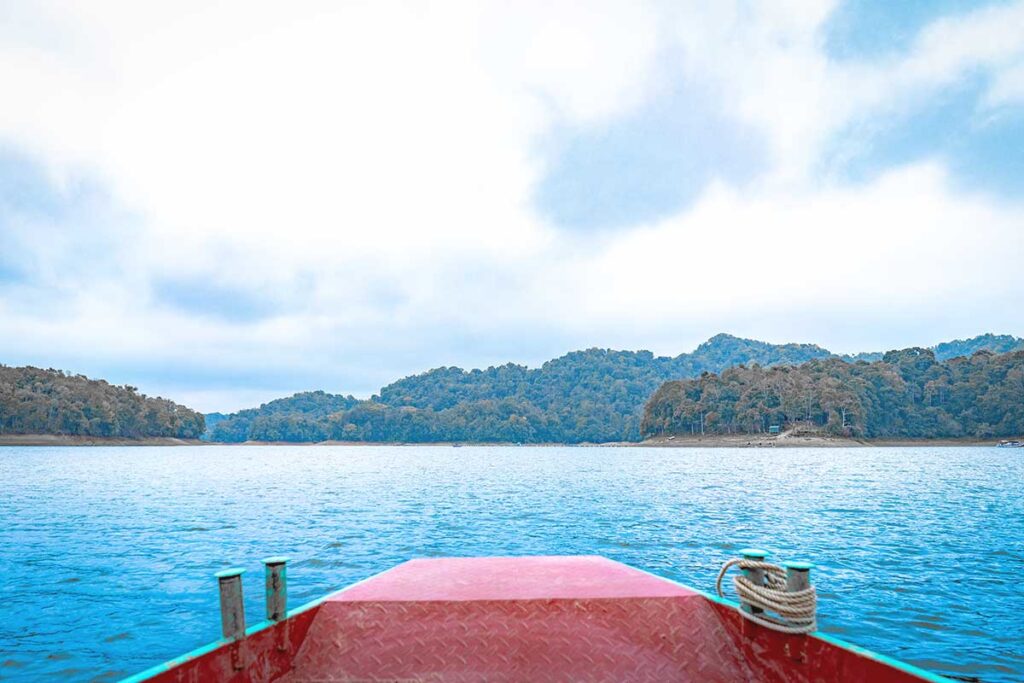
108	553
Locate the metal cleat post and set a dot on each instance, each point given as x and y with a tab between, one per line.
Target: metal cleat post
756	576
276	587
232	608
798	576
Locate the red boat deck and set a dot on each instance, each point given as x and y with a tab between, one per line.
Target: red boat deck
526	619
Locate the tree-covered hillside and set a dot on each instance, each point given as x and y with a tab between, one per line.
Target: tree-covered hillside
996	343
595	395
36	401
908	393
302	417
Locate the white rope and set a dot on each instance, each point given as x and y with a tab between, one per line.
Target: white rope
795	609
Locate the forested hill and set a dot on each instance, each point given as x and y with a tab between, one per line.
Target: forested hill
908	393
599	376
595	395
36	401
996	343
302	417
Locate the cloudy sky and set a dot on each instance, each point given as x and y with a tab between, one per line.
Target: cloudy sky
224	203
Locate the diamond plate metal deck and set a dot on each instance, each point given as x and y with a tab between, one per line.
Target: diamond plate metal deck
538	619
528	619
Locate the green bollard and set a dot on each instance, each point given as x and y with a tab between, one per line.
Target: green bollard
798	576
232	608
276	587
756	576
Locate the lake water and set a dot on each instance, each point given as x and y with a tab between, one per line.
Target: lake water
108	553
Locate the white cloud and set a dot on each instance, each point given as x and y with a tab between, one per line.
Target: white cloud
589	61
369	167
767	61
989	37
1008	87
900	240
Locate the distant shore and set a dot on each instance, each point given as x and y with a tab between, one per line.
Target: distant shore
71	440
706	441
809	441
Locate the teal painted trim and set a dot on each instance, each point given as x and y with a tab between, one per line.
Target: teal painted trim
154	671
229	573
753	554
832	640
799	566
177	661
277	559
894	663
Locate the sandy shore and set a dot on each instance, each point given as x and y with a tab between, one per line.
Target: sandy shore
802	441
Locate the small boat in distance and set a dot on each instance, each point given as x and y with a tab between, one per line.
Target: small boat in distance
1010	444
581	618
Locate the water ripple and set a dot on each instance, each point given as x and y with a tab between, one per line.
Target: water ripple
109	552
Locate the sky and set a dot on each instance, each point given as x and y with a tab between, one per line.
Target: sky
227	202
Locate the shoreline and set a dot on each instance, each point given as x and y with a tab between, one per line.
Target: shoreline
809	441
77	440
707	441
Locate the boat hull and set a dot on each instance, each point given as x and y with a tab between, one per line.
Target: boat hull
525	619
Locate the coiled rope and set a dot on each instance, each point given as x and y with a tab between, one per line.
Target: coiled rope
796	610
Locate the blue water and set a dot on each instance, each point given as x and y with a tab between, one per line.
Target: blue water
108	553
